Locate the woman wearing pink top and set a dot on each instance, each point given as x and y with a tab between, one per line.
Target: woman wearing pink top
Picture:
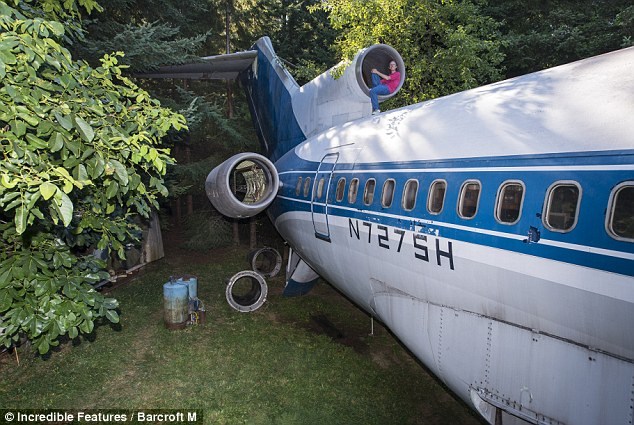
383	84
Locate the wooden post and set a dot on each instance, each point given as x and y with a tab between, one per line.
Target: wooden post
228	49
189	199
228	4
176	202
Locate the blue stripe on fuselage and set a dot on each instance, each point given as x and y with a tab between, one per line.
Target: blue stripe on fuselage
587	244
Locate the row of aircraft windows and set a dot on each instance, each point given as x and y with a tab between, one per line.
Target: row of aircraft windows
562	201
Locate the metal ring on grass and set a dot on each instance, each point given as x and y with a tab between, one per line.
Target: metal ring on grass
246	291
265	261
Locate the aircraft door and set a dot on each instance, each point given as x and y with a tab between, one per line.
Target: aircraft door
320	196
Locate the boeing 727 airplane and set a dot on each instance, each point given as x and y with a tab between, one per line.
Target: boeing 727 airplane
491	230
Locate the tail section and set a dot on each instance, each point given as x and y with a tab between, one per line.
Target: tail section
270	89
285	114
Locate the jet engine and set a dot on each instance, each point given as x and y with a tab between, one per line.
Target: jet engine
242	186
328	101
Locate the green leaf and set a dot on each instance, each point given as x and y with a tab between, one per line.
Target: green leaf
57	28
7	182
7	57
21	214
112	189
65	122
85	130
64	207
80	173
72	332
31	199
44	346
110	303
36	142
56	142
68	186
120	171
112	316
19	128
74	146
48	189
31	119
5	300
4	278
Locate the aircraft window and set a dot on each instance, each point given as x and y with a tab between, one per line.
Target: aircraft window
341	188
307	186
409	195
509	202
352	192
368	193
320	188
436	198
469	197
298	188
561	206
621	216
387	196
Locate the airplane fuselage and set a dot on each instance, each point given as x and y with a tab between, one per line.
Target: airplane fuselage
493	250
491	230
469	296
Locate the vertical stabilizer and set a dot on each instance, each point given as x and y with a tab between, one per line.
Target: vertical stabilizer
270	88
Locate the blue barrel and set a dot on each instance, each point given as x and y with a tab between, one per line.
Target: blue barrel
175	304
192	285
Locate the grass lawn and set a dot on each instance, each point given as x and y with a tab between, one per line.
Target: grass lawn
272	366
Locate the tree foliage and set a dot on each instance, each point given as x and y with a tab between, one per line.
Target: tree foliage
152	32
81	156
448	46
541	34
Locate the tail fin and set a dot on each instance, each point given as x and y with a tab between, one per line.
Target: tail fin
270	89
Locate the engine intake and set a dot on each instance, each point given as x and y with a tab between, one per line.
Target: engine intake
327	101
242	186
377	56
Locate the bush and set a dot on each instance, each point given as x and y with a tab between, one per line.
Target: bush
81	157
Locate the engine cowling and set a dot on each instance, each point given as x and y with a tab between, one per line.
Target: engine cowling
242	186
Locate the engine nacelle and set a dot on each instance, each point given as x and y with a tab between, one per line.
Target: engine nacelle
242	186
327	101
